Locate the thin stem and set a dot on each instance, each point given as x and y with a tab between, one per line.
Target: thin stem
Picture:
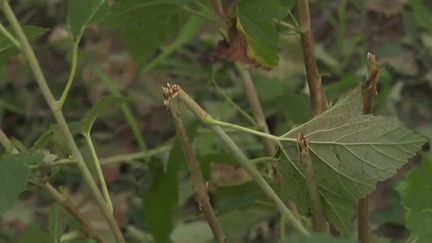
54	164
318	219
207	119
70	236
217	5
6	143
369	93
258	113
237	152
197	178
130	118
8	35
263	159
230	101
72	74
134	156
58	115
66	204
214	122
203	16
256	108
258	178
287	25
99	172
318	97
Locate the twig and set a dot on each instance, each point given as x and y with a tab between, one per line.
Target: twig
318	96
318	219
58	115
173	92
369	93
88	230
197	178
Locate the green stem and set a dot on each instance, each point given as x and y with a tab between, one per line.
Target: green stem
6	143
288	26
230	101
54	164
8	35
72	74
242	159
130	118
58	115
203	16
99	172
135	156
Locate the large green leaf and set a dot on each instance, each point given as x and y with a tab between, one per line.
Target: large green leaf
161	200
350	153
83	12
255	20
14	173
145	25
416	193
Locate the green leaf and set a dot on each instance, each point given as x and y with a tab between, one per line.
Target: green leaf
315	238
422	14
161	200
83	12
57	222
227	197
145	25
7	48
14	173
89	119
36	235
350	153
255	20
416	193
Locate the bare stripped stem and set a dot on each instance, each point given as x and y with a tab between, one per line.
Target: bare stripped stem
175	92
197	178
318	96
66	204
369	93
58	115
319	222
